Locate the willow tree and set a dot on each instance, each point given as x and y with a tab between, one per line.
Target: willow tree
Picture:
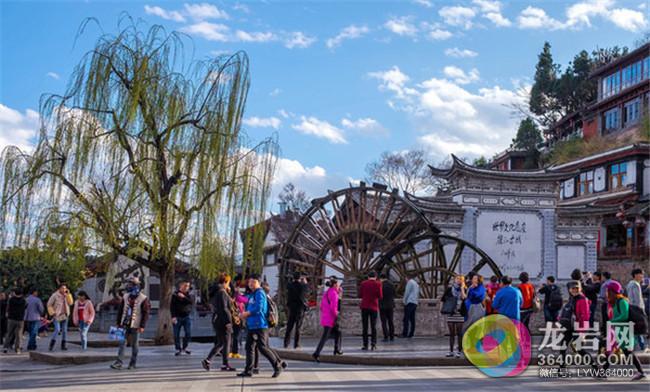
146	154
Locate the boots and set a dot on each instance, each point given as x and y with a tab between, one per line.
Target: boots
52	343
63	347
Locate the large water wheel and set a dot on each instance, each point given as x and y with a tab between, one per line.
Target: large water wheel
356	230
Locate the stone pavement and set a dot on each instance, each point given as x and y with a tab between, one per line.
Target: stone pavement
160	371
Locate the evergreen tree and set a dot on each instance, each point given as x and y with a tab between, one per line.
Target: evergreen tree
543	100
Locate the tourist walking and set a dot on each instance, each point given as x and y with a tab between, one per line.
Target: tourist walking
621	314
133	314
329	314
387	307
452	302
574	318
181	309
83	315
410	300
552	299
508	300
3	316
635	298
238	326
15	320
271	304
33	314
257	337
58	307
296	307
474	301
591	290
370	294
222	322
528	296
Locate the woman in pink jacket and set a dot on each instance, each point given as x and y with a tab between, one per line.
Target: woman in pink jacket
329	314
83	314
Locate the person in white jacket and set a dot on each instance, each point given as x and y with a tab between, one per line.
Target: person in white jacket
635	298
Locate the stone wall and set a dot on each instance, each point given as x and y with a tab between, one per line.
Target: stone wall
429	321
621	269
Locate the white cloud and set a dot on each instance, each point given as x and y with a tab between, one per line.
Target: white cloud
439	34
536	18
161	12
460	53
321	129
628	19
263	122
54	75
424	3
401	26
393	80
368	126
245	36
204	11
285	114
241	7
210	31
458	16
275	92
581	15
18	129
480	122
298	39
459	76
491	10
350	32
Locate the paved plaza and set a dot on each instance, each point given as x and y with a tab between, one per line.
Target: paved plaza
160	370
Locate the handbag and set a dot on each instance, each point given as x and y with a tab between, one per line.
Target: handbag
537	304
449	305
116	333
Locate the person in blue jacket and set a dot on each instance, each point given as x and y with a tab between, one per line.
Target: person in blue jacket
508	300
257	326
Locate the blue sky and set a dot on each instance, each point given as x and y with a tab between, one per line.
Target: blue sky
340	81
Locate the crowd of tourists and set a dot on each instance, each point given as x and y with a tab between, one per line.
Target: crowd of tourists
243	306
594	299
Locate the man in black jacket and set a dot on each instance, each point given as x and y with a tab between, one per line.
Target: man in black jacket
386	307
181	309
15	316
222	324
296	306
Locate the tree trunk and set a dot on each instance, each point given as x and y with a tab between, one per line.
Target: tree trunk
164	331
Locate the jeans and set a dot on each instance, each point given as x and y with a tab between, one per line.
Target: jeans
32	329
236	332
408	329
641	340
295	320
222	340
83	333
186	324
14	334
60	326
369	316
551	315
258	339
387	325
135	345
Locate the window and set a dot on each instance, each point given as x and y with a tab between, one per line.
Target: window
646	68
632	74
611	120
586	183
632	111
611	84
617	175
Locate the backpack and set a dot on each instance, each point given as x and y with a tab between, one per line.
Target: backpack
555	299
271	312
567	315
638	317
